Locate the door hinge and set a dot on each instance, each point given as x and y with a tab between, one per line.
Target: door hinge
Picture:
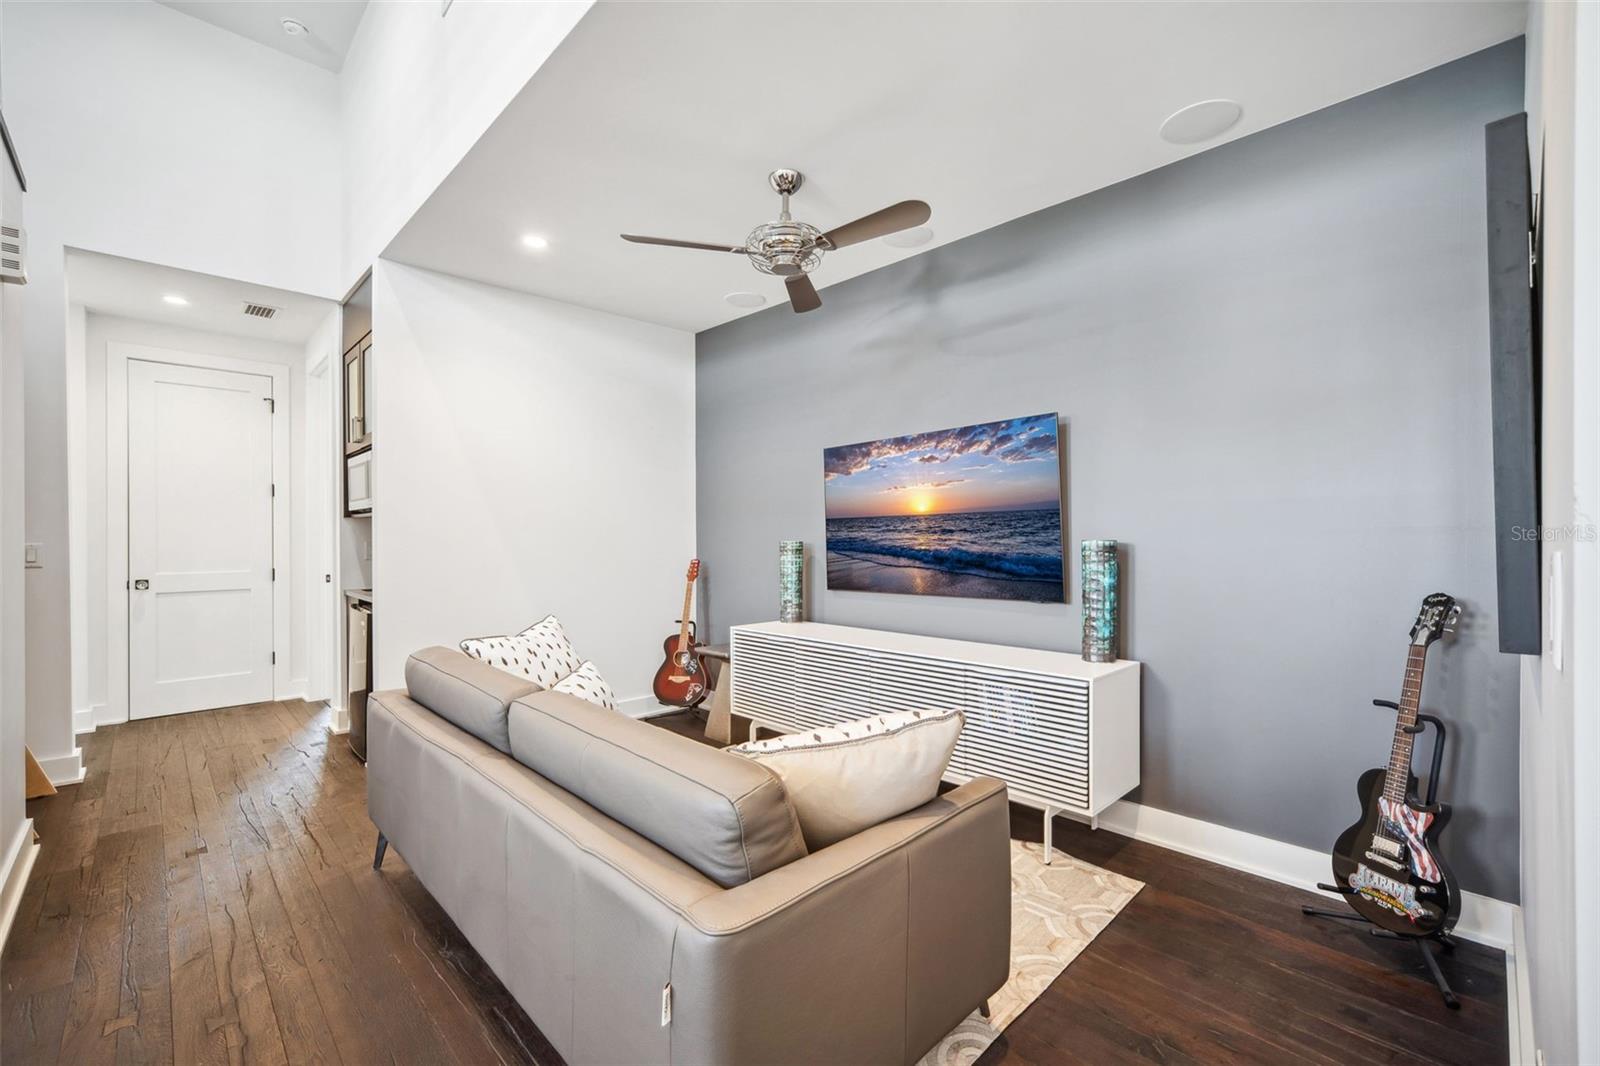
1533	260
272	490
272	405
274	658
274	573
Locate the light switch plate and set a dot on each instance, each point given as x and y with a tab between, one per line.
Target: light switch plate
30	557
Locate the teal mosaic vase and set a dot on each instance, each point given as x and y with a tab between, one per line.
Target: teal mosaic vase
1100	575
791	580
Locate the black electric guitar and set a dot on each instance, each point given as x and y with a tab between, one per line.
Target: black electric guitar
1387	865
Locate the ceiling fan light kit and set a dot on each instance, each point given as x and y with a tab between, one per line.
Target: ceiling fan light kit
791	250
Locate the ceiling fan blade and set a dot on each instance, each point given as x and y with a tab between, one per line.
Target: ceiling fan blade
892	219
802	294
670	243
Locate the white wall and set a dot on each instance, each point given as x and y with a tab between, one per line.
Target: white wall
13	687
418	90
106	660
1559	749
532	457
152	135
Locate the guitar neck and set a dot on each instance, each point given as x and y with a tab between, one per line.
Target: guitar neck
1397	778
688	600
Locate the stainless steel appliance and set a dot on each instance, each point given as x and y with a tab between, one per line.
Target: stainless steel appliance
358	672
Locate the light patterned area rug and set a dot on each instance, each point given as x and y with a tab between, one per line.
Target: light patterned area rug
1056	911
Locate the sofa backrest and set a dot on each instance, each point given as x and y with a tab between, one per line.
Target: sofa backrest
728	817
467	692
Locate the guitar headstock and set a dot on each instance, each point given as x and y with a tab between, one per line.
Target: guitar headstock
693	571
1436	618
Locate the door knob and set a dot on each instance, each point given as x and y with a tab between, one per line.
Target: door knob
140	584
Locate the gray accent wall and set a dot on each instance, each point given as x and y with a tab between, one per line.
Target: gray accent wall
1271	363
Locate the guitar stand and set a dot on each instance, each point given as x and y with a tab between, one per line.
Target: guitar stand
1446	943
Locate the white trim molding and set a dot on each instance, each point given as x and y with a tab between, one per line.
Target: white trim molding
1519	997
17	865
339	722
645	707
1484	920
83	720
64	769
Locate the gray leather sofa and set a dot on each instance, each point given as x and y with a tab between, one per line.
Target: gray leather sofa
649	899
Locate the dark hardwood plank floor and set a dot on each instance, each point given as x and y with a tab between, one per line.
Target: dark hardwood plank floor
206	896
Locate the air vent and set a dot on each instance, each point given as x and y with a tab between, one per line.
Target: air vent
260	310
13	254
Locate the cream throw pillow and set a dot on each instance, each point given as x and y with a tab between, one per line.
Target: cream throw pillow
540	654
848	777
586	683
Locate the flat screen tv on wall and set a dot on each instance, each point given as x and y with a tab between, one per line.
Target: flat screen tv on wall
973	511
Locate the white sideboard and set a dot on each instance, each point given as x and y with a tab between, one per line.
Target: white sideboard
1062	733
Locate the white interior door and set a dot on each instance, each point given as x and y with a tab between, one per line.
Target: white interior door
200	517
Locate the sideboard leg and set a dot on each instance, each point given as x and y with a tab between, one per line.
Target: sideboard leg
1094	821
377	854
1049	831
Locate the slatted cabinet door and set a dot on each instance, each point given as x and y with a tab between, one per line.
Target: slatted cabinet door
1031	731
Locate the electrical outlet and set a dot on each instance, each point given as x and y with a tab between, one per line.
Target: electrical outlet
30	557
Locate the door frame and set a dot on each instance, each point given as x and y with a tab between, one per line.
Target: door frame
324	598
118	355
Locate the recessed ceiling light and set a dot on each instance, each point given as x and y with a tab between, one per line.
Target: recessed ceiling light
293	27
915	237
175	300
534	241
1201	122
745	299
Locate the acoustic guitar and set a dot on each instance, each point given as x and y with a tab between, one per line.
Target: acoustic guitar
681	679
1387	865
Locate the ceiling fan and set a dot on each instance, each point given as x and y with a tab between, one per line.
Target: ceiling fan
792	249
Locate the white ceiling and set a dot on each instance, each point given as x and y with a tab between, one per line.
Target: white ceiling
332	24
665	118
132	289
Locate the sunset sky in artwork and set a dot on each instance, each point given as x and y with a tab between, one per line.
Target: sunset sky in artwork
995	466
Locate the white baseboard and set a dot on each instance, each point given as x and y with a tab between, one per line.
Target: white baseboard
339	724
85	718
1519	998
645	707
64	769
104	715
18	862
1483	919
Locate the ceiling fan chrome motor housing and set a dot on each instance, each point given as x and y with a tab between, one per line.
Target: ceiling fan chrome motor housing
784	247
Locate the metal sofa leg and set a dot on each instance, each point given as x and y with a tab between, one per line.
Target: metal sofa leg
984	1009
377	856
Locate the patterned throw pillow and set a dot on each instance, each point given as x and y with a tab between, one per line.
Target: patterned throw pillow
540	654
587	684
851	776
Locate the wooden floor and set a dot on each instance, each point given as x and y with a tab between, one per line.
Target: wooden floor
206	895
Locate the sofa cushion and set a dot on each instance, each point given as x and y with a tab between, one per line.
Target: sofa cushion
541	653
727	817
848	777
465	692
586	683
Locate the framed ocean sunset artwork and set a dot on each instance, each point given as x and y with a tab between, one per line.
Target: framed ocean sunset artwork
974	511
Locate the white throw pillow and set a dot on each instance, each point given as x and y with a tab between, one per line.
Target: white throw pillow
848	777
541	654
586	683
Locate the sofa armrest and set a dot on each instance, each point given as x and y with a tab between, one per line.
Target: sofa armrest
893	936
